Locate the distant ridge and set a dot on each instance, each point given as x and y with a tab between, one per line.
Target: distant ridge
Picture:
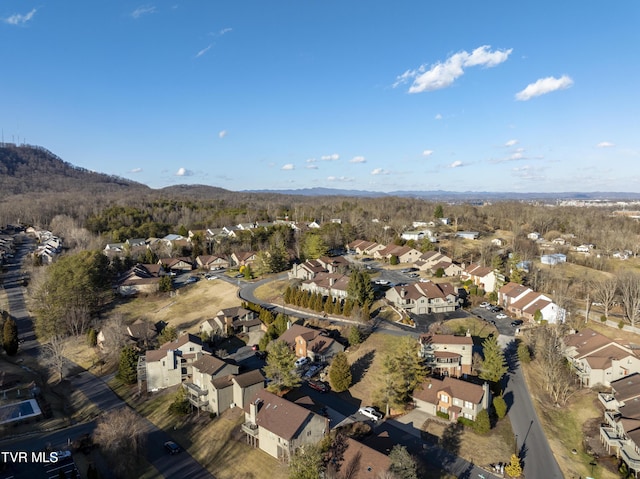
442	195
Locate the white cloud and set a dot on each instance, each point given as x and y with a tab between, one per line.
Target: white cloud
288	166
224	30
204	50
511	143
380	171
427	153
527	172
311	167
333	157
143	10
442	75
438	116
310	160
544	86
605	144
18	19
222	133
343	179
135	170
358	159
184	172
456	164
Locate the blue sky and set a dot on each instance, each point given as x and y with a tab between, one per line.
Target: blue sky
377	95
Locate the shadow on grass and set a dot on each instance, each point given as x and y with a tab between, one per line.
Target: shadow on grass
361	365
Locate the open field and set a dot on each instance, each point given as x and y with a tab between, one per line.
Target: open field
186	309
216	443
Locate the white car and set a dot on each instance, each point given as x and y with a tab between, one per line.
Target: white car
370	413
484	304
301	361
210	277
382	282
501	316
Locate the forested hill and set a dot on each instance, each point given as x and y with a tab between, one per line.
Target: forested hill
32	169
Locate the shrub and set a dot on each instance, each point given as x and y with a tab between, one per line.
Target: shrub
500	406
603	319
483	422
621	324
524	353
467	422
443	415
180	405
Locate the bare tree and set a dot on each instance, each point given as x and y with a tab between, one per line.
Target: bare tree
604	292
122	435
113	336
629	284
556	373
53	355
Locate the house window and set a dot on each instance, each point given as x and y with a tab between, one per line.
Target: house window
163	364
444	398
468	405
191	348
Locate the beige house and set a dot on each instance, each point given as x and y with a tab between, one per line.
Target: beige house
177	265
599	360
524	303
620	431
279	427
216	385
229	320
142	278
424	298
482	276
243	258
212	262
357	461
327	284
453	397
363	247
446	354
405	254
172	362
311	343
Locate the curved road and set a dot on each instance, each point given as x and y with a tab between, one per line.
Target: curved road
95	390
533	447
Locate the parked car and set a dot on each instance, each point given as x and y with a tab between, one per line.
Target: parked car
312	371
261	354
191	279
370	413
501	316
239	275
171	447
496	309
484	304
301	361
382	282
319	386
517	322
210	277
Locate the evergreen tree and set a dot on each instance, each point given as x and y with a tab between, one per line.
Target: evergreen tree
500	406
92	337
313	246
514	468
348	307
165	284
359	287
340	373
403	466
355	336
280	367
10	336
128	365
438	212
483	423
337	307
494	364
328	305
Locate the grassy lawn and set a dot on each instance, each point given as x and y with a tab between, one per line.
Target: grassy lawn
272	291
217	444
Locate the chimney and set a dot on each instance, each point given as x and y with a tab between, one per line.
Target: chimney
332	281
253	410
403	292
486	398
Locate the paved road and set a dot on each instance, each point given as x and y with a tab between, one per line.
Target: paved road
94	389
533	446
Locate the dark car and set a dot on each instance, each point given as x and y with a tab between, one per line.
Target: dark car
319	386
172	447
261	354
496	309
517	322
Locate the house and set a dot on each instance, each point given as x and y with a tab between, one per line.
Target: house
172	362
216	385
143	333
449	269
535	236
620	430
498	242
142	278
230	320
599	360
405	254
415	235
279	427
243	258
453	397
325	264
559	241
426	261
424	298
363	247
525	303
327	284
584	248
212	262
471	235
177	265
356	460
482	276
446	354
311	343
553	259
